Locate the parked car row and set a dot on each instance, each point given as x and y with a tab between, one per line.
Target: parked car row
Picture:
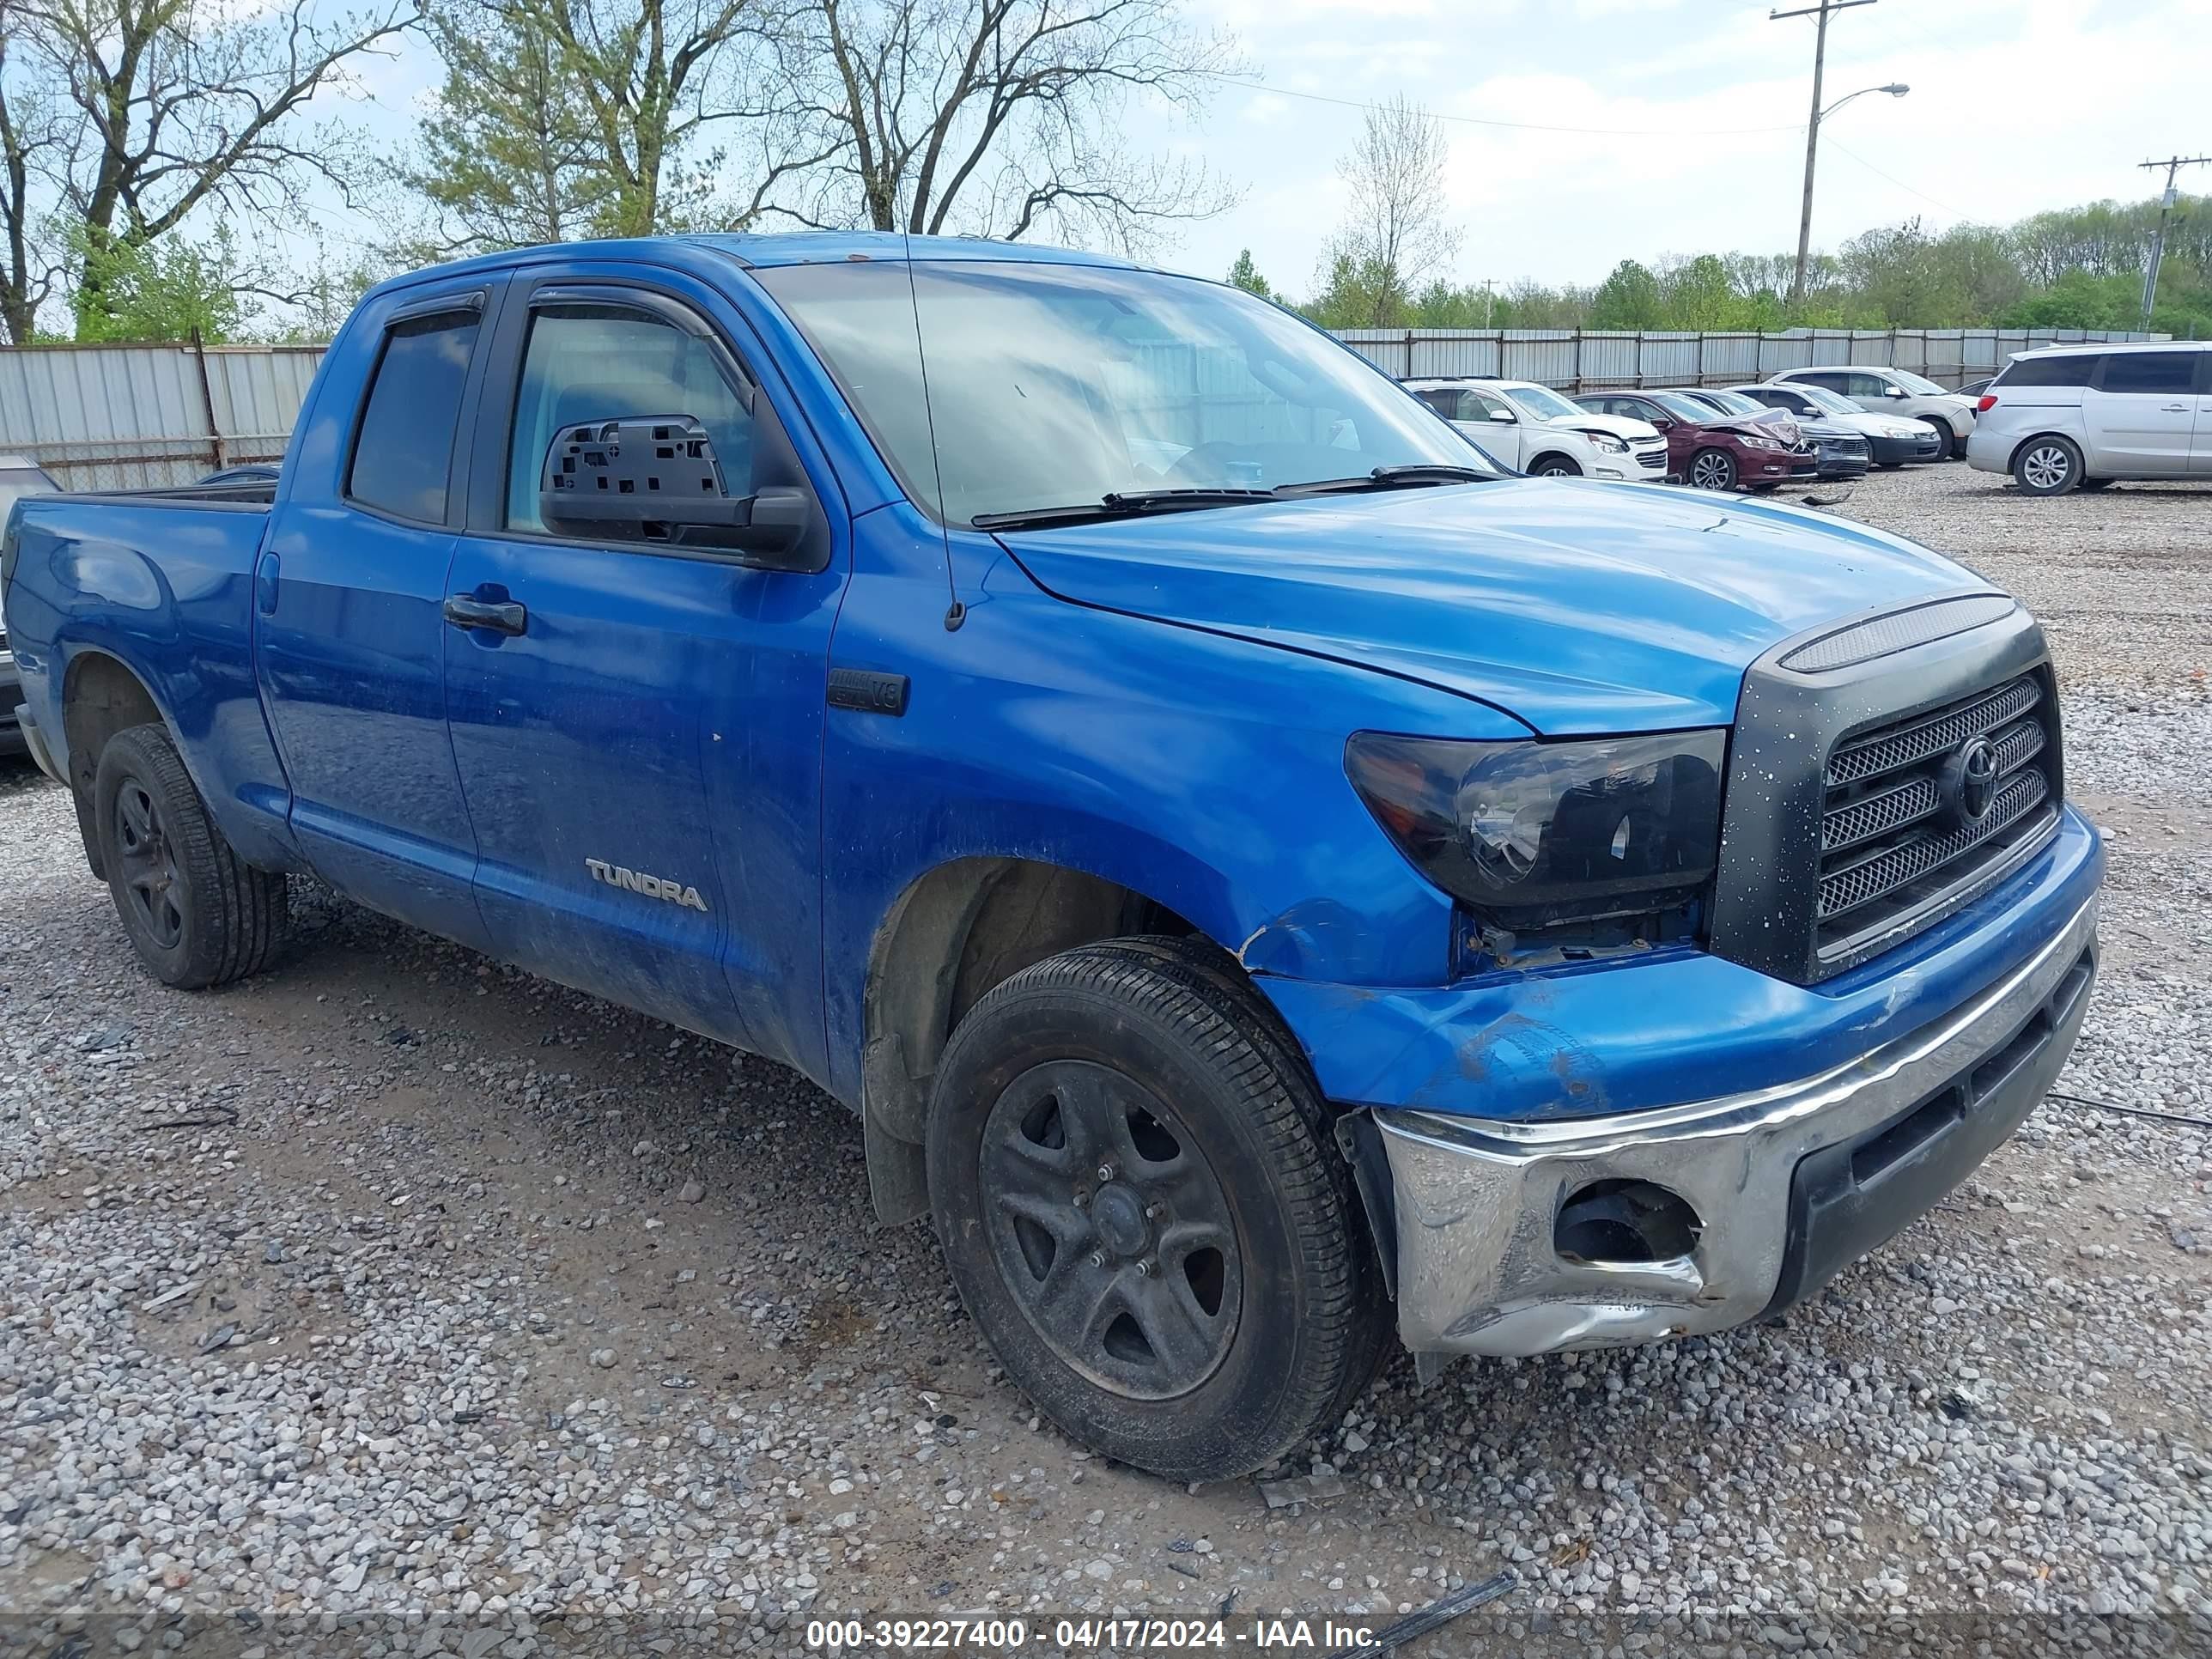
1809	423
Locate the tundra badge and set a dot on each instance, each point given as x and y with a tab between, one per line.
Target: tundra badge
652	886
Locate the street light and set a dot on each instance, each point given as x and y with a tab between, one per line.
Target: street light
1895	89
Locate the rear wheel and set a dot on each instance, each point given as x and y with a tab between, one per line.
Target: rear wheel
2047	467
1134	1186
1712	469
1556	466
195	913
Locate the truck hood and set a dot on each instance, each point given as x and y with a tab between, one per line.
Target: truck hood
1578	606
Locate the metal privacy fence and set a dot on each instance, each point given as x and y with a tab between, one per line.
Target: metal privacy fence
120	417
1581	360
125	417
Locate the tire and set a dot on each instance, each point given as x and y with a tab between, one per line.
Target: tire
1264	1314
1711	469
2046	466
1891	466
1950	445
1556	466
195	913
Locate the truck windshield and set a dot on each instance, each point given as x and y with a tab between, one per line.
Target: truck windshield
1053	385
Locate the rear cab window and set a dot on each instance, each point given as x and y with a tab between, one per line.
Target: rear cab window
403	453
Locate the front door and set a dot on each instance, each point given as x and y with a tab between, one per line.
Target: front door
348	641
638	731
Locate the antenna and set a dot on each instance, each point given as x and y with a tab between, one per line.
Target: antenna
955	612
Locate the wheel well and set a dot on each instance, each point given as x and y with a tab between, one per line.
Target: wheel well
954	935
99	697
2071	442
1555	455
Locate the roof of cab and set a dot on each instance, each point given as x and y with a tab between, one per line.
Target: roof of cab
822	247
795	248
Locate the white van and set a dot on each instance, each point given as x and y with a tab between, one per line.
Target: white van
2088	416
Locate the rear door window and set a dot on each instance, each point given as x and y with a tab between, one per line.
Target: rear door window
403	456
2158	374
1865	386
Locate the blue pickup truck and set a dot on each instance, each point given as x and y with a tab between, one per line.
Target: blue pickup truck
1262	875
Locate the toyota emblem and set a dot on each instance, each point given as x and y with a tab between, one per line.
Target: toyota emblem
1973	780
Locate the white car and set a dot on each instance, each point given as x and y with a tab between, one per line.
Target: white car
1531	427
1894	391
1892	440
2085	415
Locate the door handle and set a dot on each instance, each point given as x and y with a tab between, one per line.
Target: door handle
2174	409
508	616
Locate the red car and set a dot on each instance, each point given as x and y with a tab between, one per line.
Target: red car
1708	450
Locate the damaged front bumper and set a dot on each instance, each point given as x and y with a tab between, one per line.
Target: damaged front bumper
1783	1185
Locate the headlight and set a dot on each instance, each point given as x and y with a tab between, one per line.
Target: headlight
1607	444
1752	441
1532	834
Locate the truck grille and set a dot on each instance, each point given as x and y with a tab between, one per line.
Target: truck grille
1899	844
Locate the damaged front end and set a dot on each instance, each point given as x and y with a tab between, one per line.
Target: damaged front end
1546	1235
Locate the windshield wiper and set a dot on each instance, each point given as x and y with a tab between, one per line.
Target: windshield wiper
1120	504
1411	476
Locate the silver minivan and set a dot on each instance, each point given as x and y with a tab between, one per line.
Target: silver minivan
2086	416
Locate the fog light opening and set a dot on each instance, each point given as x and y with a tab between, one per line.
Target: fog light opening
1618	1222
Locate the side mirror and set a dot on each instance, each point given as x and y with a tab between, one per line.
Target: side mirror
1892	391
1504	415
656	480
1661	422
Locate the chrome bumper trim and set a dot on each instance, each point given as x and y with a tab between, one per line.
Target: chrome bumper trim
1477	1198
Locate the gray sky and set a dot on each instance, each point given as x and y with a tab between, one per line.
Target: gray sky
2016	105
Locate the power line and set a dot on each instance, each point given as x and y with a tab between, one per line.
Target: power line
1516	126
1956	213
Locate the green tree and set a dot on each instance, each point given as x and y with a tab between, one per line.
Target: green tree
162	290
1246	275
1629	299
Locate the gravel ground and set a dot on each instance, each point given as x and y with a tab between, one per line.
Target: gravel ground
400	1299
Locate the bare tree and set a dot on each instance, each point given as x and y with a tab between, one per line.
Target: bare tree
33	135
1394	237
999	118
168	107
654	105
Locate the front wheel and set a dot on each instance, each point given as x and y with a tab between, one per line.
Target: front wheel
1949	445
1133	1183
195	913
2047	467
1556	466
1712	469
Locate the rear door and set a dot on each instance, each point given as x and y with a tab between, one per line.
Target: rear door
348	642
638	729
2140	412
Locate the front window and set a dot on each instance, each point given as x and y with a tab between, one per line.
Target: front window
1051	385
1918	384
1541	403
592	362
1683	408
1734	403
1827	401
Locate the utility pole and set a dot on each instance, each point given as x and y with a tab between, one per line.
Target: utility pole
2172	165
1812	127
